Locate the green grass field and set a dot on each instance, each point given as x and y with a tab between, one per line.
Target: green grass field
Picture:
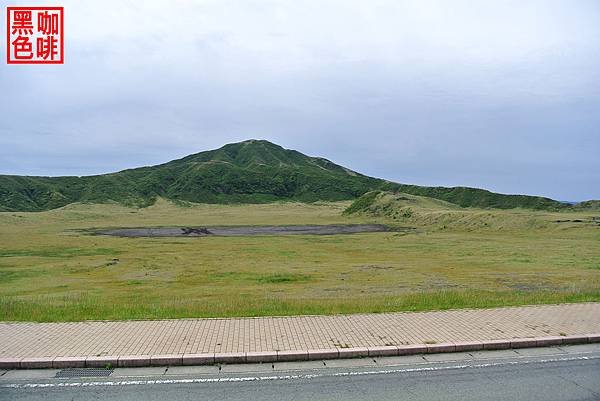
52	269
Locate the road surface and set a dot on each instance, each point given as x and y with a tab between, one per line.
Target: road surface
559	373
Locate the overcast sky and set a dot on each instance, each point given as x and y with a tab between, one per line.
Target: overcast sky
503	95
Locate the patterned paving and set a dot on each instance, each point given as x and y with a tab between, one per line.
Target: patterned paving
194	336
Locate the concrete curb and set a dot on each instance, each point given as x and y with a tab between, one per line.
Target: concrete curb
62	362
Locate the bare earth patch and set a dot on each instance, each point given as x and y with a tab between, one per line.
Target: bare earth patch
245	230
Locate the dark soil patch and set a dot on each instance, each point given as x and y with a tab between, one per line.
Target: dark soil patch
244	230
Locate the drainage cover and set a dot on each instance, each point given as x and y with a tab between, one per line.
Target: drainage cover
84	372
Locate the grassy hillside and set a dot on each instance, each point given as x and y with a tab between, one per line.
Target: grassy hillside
252	171
591	205
434	214
475	197
246	172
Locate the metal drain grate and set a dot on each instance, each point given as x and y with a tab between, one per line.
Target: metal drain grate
84	372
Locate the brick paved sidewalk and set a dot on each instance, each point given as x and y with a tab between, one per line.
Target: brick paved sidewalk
196	341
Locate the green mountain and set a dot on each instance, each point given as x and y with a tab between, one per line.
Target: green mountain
253	171
591	205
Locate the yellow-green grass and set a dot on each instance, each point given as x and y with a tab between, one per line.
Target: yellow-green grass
51	269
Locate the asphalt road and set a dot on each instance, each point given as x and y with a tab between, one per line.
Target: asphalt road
571	373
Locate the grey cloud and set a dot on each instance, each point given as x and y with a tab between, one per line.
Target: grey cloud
501	95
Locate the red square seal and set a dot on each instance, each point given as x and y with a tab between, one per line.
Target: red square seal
35	35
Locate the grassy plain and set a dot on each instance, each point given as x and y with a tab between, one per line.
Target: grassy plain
51	269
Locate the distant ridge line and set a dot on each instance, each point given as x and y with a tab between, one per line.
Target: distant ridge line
252	171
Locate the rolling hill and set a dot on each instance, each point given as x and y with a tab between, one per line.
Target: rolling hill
253	171
434	214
